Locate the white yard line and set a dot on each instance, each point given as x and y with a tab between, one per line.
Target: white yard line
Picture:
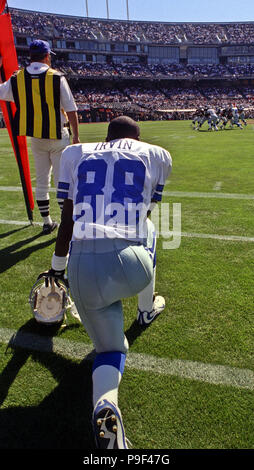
202	372
208	195
18	222
194	194
19	188
231	238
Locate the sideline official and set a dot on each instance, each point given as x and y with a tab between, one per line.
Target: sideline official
46	111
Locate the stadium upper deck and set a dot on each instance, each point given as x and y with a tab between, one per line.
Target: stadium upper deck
71	27
90	40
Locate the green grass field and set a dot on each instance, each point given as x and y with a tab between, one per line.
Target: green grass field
189	382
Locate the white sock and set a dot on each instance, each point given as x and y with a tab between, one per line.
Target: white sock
145	297
47	220
106	381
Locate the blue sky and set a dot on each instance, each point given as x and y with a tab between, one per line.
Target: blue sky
151	10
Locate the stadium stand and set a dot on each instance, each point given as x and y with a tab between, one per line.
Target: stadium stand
148	70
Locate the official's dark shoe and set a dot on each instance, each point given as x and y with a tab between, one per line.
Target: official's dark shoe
48	228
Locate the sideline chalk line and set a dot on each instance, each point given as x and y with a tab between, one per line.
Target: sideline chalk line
193	370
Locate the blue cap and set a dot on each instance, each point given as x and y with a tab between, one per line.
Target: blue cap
38	46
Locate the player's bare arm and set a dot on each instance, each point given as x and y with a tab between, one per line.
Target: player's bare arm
73	119
153	204
65	229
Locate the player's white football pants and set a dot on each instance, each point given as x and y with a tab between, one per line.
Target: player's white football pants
101	272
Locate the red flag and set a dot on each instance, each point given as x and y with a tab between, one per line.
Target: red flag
19	143
2	5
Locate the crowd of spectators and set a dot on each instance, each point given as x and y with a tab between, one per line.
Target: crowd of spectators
172	71
32	23
91	96
131	31
157	95
86	69
155	99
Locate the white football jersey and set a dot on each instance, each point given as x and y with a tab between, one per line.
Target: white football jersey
211	112
112	185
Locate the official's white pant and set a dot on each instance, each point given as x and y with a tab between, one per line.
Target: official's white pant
47	154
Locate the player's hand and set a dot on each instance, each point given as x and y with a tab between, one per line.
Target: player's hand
57	275
76	140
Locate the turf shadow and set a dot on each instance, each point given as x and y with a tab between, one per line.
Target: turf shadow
135	331
7	234
63	419
10	255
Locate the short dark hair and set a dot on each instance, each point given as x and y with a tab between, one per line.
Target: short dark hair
123	126
37	56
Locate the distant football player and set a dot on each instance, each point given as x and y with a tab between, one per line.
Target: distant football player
212	120
204	116
223	118
108	188
197	118
235	117
242	115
